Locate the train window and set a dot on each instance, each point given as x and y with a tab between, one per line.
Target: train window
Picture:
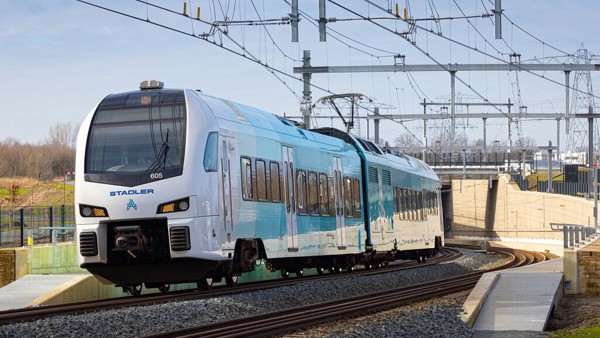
348	197
313	194
420	204
289	186
332	206
396	200
356	197
246	179
403	205
324	194
301	192
261	180
409	204
275	183
211	152
374	147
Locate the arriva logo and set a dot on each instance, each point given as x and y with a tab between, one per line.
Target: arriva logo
131	204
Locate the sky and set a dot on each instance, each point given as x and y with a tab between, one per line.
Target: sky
61	57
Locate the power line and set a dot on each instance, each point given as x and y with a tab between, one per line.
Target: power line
516	65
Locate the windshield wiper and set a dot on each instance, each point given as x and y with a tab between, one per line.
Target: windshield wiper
161	159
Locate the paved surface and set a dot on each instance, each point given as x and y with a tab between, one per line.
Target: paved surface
521	299
25	291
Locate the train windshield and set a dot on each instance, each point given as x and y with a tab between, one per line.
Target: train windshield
137	137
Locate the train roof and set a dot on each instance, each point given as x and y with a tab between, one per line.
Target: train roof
257	118
232	111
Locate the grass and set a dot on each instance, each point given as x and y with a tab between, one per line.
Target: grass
36	193
593	331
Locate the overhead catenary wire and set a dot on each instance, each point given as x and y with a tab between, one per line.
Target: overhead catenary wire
516	65
272	70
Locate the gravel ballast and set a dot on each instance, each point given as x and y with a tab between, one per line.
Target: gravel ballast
433	318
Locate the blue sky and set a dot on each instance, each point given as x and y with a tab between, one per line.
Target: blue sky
60	58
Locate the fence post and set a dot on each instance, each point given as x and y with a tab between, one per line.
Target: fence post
50	217
571	244
22	218
565	236
577	234
62	222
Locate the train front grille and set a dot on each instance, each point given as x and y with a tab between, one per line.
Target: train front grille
180	238
88	244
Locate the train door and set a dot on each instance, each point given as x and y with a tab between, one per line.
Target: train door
338	188
226	154
290	198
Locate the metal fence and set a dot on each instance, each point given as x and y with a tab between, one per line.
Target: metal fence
35	225
575	183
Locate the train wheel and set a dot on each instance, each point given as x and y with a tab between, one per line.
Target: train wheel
320	270
164	288
350	268
368	266
231	280
338	269
299	273
205	284
284	273
134	290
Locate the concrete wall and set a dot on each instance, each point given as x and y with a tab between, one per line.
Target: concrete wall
14	264
582	269
43	259
517	215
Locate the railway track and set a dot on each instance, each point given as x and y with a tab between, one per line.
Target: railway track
296	318
288	320
34	313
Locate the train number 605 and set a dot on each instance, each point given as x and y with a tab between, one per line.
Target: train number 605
156	176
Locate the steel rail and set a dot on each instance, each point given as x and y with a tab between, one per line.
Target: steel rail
287	320
292	319
34	313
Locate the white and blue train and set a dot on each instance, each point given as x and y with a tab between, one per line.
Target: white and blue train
177	186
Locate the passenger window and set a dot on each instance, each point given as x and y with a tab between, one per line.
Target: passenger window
332	211
211	152
356	197
301	192
313	194
261	180
246	179
324	195
348	197
275	184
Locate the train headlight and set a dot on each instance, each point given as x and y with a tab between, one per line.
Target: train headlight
174	206
92	211
184	204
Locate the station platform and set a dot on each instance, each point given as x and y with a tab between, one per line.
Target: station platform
35	290
515	300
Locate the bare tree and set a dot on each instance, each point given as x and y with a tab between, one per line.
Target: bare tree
62	134
406	141
41	161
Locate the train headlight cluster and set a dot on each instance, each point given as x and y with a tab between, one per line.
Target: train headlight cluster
92	211
174	206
